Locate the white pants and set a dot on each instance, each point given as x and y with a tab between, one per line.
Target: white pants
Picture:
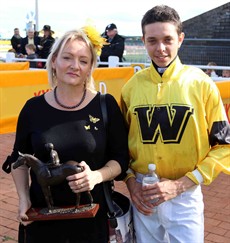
179	220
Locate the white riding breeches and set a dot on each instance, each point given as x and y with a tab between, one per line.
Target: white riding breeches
179	220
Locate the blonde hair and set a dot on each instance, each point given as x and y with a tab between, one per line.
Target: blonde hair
76	34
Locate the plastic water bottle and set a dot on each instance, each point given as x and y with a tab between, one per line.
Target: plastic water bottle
151	178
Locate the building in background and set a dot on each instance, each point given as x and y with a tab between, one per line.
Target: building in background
207	38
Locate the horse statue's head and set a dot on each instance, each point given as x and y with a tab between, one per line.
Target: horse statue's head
20	161
23	159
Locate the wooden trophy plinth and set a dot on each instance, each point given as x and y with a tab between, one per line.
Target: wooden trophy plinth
58	213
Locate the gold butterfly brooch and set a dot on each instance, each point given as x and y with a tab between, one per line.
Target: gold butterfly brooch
93	120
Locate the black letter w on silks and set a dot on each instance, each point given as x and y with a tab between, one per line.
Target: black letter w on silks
168	122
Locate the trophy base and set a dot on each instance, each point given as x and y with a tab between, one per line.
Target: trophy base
58	213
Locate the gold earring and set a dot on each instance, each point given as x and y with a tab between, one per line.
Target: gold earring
54	73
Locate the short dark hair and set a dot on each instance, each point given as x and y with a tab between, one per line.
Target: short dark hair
161	13
31	47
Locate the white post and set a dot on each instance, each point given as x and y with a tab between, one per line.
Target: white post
102	88
10	56
113	61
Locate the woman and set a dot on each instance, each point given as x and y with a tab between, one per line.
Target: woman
69	116
46	42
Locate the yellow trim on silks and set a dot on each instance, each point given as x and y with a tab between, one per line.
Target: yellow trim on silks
129	176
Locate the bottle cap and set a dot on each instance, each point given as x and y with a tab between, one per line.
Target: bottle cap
152	167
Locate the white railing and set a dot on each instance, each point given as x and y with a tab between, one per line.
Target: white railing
114	62
10	57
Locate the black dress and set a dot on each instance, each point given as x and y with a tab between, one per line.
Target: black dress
76	135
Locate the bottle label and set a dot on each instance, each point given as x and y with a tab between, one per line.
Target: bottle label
149	180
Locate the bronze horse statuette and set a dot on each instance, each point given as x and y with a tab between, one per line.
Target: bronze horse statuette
51	174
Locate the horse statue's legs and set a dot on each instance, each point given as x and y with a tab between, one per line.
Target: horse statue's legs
78	198
48	197
90	197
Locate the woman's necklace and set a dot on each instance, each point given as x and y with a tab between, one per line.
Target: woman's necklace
65	106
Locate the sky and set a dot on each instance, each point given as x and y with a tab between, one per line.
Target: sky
68	14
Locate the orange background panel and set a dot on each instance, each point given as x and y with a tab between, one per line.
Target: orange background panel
23	78
14	66
111	80
16	87
224	88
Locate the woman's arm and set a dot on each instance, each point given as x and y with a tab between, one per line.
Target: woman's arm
21	181
111	170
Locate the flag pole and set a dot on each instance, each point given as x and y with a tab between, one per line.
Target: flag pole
36	16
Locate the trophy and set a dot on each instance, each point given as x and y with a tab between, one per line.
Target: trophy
50	174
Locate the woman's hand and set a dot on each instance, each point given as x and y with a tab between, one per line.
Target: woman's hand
21	180
24	206
83	181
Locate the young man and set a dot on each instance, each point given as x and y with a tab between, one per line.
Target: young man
176	120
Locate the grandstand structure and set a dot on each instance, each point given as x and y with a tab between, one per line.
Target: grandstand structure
207	38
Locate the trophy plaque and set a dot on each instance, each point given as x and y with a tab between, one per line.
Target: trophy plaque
84	211
53	173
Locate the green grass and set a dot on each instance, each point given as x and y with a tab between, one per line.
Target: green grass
7	238
142	58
